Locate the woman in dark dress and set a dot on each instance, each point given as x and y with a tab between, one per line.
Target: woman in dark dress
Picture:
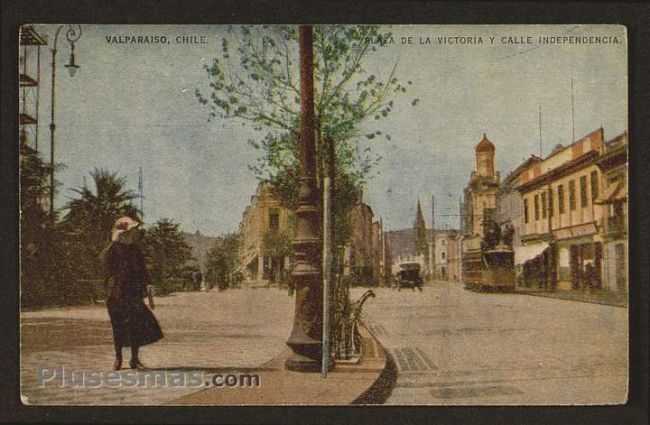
127	279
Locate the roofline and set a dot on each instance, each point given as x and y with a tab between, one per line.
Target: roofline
563	170
601	129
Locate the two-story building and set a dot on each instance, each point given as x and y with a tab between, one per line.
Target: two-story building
561	244
264	237
447	261
510	210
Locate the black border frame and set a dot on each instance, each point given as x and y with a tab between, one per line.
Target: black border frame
636	16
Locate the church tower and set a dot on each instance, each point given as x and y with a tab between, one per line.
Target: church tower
485	157
420	237
480	195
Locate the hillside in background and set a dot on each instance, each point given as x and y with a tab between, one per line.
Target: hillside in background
200	245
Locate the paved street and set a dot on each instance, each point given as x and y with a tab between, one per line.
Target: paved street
214	332
453	347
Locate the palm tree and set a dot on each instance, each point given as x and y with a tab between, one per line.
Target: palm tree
90	217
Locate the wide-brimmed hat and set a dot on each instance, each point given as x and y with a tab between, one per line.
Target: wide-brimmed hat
123	224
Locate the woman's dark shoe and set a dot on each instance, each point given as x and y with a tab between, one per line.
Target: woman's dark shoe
118	364
135	364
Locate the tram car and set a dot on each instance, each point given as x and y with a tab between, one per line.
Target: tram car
488	264
489	270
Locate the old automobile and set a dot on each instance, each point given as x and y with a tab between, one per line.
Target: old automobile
409	276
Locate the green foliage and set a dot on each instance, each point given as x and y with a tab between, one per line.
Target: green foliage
37	237
261	86
276	244
90	217
255	80
222	261
34	190
58	258
167	253
52	259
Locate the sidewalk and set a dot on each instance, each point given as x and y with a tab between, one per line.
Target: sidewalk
599	297
204	331
370	381
209	333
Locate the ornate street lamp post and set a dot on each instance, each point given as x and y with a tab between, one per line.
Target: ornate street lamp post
72	34
306	336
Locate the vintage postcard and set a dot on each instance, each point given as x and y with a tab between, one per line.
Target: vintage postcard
323	214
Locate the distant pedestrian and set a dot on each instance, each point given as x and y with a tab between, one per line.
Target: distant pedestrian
198	279
590	276
127	282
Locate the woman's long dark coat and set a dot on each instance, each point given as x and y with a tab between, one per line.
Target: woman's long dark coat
127	278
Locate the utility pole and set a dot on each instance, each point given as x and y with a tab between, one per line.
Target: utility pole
432	255
573	115
306	335
382	253
327	275
540	131
141	193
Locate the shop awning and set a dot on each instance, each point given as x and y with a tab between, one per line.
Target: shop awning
614	193
529	252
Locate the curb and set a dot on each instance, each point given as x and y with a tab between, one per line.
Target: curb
543	295
370	381
383	386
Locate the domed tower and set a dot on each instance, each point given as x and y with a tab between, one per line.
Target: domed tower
485	157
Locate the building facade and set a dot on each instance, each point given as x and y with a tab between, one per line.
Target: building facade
480	195
265	233
447	261
479	203
510	210
366	256
613	201
562	246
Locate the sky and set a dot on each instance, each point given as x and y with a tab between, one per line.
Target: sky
133	105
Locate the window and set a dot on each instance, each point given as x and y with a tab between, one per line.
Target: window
594	185
490	214
550	203
443	255
274	221
544	205
560	199
536	207
525	210
583	191
572	195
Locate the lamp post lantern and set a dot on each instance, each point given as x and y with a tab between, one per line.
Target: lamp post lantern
72	34
306	335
